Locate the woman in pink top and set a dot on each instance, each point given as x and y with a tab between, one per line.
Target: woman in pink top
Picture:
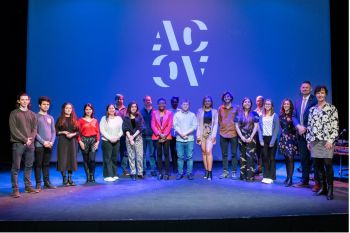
162	122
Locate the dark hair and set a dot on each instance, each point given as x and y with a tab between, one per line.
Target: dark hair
319	88
161	99
128	111
226	93
44	98
282	111
19	97
90	106
117	96
272	107
73	118
207	97
107	115
144	98
249	118
251	103
306	82
174	98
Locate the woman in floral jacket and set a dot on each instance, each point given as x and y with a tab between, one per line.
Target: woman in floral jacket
322	131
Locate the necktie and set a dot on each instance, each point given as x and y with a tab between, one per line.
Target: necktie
303	105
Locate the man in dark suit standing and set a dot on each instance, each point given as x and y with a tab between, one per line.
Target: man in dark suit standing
300	120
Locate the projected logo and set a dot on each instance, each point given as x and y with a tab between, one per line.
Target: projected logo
186	60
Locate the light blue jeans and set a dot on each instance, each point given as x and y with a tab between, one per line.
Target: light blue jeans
149	143
184	152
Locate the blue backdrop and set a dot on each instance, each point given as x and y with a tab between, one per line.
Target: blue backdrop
88	50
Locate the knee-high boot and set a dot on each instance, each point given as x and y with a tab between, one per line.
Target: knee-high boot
330	174
86	169
287	170
290	171
92	171
322	177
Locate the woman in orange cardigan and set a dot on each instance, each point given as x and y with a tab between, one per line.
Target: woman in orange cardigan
162	122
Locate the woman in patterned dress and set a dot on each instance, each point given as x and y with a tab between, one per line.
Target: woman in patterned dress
247	125
288	144
322	131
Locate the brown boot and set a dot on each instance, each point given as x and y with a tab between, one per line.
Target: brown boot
316	187
15	193
38	186
30	189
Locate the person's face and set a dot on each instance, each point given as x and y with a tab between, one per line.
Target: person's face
120	101
305	89
147	101
111	110
259	101
174	103
44	106
321	95
23	101
268	105
207	103
68	109
227	98
185	106
286	106
247	104
161	105
133	109
88	111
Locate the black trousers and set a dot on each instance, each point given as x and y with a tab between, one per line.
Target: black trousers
305	160
42	164
20	151
163	148
269	161
89	154
173	153
110	158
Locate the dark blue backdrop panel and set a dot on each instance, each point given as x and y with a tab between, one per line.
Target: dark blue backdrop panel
88	50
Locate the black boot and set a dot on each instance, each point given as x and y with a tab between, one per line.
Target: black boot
86	169
70	181
210	175
330	174
92	172
321	176
65	181
206	174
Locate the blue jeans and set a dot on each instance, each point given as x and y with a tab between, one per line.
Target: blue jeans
20	151
184	152
150	144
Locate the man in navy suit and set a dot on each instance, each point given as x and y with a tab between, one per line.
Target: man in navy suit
300	120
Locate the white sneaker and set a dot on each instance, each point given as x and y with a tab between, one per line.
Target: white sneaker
108	179
264	180
270	181
115	178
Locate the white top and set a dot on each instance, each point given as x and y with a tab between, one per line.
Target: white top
183	123
112	128
267	125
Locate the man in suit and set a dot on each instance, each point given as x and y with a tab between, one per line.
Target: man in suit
300	120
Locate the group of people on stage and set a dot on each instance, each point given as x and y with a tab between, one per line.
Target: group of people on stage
309	126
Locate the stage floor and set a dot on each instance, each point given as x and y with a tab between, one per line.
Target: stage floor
150	199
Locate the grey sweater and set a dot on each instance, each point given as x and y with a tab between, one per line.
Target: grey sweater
46	130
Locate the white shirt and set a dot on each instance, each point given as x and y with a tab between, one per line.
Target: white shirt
112	128
267	125
183	123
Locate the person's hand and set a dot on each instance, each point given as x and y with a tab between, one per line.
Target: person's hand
64	132
69	135
308	146
132	142
82	145
272	144
328	146
131	138
261	144
113	140
29	141
249	140
198	141
96	145
47	144
301	129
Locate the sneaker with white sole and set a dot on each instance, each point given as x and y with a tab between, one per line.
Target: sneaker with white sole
264	180
115	178
108	179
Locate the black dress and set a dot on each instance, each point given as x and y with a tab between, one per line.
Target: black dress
288	144
67	148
